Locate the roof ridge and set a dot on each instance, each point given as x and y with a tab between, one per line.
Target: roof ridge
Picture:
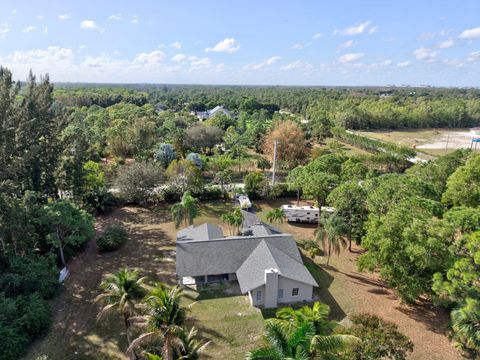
256	247
283	252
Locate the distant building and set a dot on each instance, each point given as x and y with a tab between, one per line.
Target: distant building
265	262
475	131
204	115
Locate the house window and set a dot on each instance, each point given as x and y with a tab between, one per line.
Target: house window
295	292
259	295
280	293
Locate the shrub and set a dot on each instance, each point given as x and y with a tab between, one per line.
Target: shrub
195	159
256	185
114	236
137	181
165	154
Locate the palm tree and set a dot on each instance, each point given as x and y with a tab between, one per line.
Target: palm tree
466	325
186	210
163	325
303	334
275	215
121	291
311	247
332	233
234	220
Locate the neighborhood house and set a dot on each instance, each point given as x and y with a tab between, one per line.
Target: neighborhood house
203	115
265	262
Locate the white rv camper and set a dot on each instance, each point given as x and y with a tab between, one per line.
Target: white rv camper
308	214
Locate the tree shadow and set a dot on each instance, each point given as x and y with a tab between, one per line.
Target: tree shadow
434	318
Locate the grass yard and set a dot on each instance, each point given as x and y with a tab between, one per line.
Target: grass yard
222	316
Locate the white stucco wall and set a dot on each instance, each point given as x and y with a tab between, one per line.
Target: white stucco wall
305	292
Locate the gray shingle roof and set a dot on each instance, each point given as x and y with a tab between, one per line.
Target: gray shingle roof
202	232
251	274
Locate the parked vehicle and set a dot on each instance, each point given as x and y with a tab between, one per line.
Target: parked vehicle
244	202
307	214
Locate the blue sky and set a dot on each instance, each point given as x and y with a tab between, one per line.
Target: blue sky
245	42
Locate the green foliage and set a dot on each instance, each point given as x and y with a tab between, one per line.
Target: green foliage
184	176
256	185
463	186
332	231
234	221
136	182
275	215
113	237
379	339
263	164
466	325
195	159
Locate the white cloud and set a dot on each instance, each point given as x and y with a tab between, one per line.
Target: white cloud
134	19
115	17
297	65
373	30
199	63
64	16
91	25
345	45
179	57
228	45
404	63
29	29
267	62
317	35
347	58
153	57
425	54
297	46
45	29
473	56
470	33
51	54
4	30
40	17
355	30
176	45
446	44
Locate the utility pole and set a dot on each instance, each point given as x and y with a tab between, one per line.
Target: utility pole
274	161
446	146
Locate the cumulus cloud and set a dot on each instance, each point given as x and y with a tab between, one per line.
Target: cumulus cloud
153	57
51	54
297	65
469	34
404	63
356	29
345	45
91	25
199	63
347	58
4	30
425	54
176	45
373	30
64	16
115	17
134	20
473	56
179	57
446	44
267	62
228	45
29	29
317	35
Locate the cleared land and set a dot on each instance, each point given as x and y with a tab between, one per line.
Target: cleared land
429	141
222	316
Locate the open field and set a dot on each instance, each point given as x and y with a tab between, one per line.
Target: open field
228	322
434	142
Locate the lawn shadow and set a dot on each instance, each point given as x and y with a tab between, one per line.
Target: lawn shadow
434	318
324	280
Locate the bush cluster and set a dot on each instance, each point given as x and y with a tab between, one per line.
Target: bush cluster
115	235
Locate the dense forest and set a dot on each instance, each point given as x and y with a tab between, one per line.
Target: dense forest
72	152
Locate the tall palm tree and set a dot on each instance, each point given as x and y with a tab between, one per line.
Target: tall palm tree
332	232
234	220
275	215
316	314
163	325
121	292
186	210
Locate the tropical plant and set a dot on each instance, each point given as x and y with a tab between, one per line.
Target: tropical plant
114	236
234	221
311	247
275	215
165	154
333	234
302	334
122	292
162	327
466	325
186	210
